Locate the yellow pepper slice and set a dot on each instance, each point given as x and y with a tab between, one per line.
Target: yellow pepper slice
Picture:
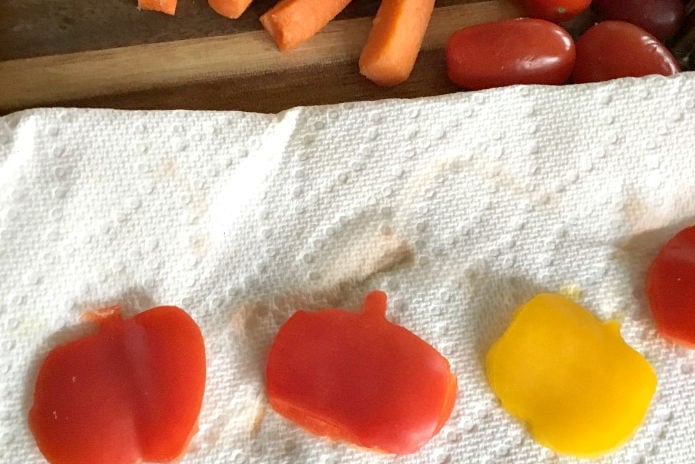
572	379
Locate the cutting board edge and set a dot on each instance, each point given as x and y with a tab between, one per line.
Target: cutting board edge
49	80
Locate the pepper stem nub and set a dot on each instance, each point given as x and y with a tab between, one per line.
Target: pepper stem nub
375	303
102	316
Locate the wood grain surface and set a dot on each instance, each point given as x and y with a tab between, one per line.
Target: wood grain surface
30	28
240	70
109	54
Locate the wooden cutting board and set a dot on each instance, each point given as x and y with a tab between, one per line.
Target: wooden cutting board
110	54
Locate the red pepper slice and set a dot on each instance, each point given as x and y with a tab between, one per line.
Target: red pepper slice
359	378
130	392
671	288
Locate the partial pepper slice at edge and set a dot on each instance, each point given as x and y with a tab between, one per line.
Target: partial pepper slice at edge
359	378
671	288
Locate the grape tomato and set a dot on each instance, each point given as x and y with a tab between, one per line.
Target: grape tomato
516	51
661	18
615	49
555	10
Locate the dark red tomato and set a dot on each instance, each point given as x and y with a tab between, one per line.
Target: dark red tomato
128	393
661	18
555	10
359	378
671	288
614	49
516	51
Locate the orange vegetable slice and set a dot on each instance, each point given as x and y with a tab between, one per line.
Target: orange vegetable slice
394	41
164	6
229	8
293	22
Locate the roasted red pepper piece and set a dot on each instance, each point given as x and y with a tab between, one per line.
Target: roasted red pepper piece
131	392
359	378
671	288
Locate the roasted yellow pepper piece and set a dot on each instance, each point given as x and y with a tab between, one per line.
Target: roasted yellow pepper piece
572	379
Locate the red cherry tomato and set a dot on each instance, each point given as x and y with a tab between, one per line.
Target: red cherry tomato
359	378
671	288
128	393
661	18
517	51
555	10
614	49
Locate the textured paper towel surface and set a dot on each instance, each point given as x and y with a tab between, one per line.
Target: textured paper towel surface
460	207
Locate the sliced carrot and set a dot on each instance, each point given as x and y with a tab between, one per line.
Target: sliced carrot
393	44
165	6
292	22
229	8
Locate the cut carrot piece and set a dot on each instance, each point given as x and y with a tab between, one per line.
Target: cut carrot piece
393	44
292	22
229	8
165	6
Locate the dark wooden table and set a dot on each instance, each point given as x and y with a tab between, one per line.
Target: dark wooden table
110	54
107	53
31	28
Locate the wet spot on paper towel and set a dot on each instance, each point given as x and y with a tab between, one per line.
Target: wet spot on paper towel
261	409
200	246
167	167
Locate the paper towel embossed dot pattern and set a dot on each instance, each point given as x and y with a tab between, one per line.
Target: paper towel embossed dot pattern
467	218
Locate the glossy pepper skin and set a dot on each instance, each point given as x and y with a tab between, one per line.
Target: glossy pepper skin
580	389
671	288
128	393
513	51
356	377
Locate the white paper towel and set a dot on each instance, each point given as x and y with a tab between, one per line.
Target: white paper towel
461	207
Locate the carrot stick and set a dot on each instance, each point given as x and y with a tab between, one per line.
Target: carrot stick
229	8
165	6
393	44
292	22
